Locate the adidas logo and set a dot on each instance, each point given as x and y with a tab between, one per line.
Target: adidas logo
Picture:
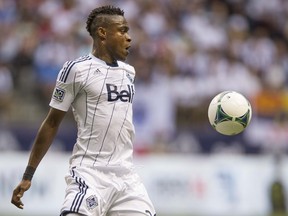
97	71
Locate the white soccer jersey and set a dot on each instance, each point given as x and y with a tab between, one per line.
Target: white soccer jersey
101	99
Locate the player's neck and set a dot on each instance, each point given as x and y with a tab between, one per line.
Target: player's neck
104	57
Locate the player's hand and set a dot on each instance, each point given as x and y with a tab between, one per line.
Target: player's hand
19	192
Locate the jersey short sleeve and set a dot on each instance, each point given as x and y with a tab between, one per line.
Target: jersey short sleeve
67	86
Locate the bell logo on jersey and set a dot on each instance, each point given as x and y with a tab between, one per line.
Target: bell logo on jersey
124	95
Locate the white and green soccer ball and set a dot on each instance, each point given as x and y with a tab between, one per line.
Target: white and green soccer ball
229	113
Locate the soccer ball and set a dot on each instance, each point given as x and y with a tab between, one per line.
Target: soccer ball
229	113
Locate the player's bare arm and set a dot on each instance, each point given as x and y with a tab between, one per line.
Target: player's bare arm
43	140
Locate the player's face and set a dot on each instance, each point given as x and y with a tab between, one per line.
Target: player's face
117	39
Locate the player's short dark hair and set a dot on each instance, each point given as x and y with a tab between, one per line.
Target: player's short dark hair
92	23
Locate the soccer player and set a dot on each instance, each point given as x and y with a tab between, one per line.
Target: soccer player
100	89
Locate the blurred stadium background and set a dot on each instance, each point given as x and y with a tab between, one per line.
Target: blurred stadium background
184	52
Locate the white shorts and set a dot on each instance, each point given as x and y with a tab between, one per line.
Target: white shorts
97	193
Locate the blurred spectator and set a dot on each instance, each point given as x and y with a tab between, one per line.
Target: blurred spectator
8	142
6	92
154	114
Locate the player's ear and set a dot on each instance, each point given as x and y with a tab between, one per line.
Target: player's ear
101	32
